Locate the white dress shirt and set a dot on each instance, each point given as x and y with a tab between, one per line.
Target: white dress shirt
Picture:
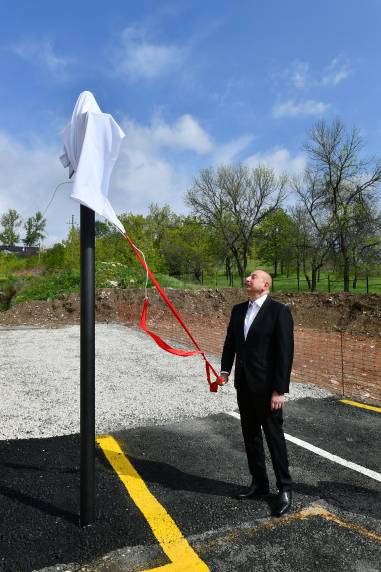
251	313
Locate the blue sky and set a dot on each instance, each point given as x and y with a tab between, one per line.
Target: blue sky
193	84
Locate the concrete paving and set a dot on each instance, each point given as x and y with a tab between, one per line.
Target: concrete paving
193	468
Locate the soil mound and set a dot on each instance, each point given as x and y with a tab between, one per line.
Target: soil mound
359	314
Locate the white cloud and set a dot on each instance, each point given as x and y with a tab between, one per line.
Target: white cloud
299	74
157	163
142	177
186	133
148	171
29	176
279	159
336	72
228	152
43	54
291	108
136	57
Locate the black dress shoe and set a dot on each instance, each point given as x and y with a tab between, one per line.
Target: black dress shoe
283	503
253	491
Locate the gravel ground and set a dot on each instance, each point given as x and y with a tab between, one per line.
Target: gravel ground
136	382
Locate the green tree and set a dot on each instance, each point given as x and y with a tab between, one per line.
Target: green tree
165	226
10	222
103	229
366	244
188	248
160	219
273	239
34	227
337	182
71	257
54	258
114	248
233	201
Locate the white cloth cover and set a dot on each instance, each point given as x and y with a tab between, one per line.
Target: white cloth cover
92	142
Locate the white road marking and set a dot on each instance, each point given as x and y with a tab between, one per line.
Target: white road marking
339	460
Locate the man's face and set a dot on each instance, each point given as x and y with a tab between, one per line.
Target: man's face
256	284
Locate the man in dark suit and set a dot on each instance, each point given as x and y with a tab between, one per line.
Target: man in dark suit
260	338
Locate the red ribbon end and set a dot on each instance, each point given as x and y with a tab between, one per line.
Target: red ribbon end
214	387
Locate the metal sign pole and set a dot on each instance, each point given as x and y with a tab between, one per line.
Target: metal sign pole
87	424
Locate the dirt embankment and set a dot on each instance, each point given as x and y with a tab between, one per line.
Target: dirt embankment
356	313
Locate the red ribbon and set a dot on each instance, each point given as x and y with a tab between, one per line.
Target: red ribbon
213	386
158	340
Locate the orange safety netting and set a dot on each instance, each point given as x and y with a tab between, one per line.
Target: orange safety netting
213	386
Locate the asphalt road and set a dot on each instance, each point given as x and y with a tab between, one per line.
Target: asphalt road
192	469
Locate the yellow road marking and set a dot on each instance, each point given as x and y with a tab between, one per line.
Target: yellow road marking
313	511
317	510
361	405
182	556
352	526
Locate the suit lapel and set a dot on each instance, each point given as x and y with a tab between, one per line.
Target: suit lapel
259	317
241	322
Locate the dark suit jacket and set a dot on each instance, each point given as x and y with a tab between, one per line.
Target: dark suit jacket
264	359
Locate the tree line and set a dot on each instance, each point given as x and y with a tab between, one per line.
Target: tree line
335	218
238	214
11	222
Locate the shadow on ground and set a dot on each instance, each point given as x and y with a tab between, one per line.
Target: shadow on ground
39	507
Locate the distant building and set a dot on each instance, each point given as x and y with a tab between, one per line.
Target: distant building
22	250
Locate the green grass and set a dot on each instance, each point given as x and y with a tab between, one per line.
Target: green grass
47	286
170	281
10	263
282	283
7	289
334	284
55	285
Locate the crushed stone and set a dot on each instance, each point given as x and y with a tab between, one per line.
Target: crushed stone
137	384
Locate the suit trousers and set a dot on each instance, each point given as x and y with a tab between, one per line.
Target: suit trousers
255	411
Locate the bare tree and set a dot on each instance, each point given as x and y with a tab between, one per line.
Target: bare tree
365	240
311	245
337	183
233	201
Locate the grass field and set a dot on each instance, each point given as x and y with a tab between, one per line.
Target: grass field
328	282
17	287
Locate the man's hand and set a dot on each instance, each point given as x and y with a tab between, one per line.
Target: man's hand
224	378
277	401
